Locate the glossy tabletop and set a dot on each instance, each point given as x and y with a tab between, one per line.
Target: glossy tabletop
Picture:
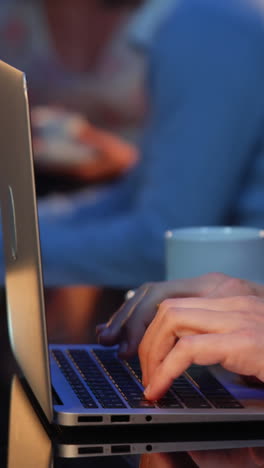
29	445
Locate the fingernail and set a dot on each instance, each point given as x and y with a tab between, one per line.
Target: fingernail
147	391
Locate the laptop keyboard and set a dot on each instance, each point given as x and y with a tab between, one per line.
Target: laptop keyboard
96	381
218	395
73	379
185	394
122	377
197	389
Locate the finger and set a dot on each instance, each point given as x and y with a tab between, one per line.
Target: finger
156	333
144	303
144	311
122	351
155	355
198	349
99	328
236	287
213	303
173	323
131	320
136	314
111	333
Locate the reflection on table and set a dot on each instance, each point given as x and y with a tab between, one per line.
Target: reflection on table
30	445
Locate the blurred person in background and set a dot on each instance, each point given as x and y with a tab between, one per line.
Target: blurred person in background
202	160
79	67
73	54
201	156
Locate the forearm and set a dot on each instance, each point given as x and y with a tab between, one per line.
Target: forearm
206	115
96	96
122	253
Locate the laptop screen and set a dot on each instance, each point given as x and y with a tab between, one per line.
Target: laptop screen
24	285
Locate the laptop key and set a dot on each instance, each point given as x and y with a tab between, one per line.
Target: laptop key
134	366
212	389
73	379
186	392
97	382
141	404
122	379
189	394
169	403
169	400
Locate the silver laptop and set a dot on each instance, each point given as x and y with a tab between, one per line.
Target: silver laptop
84	385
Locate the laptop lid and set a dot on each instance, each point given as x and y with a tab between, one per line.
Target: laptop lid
24	283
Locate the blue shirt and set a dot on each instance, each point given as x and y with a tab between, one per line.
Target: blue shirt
202	152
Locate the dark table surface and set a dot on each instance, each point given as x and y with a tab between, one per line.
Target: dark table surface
25	443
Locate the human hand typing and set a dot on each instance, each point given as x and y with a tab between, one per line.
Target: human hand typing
204	331
129	323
